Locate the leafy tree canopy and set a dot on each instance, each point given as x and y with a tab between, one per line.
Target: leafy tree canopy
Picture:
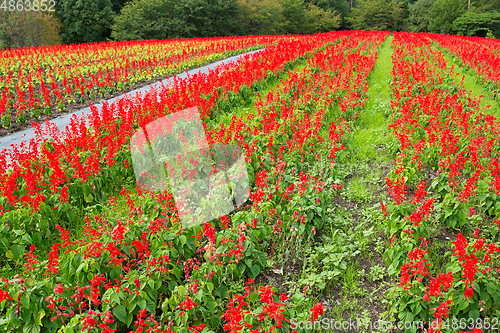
148	19
161	19
294	14
86	21
418	20
320	20
340	6
261	17
443	13
376	15
478	24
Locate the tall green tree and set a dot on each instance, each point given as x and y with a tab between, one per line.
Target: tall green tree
484	6
117	5
376	15
320	20
418	20
261	17
478	24
339	6
24	28
443	13
149	19
210	17
86	21
159	19
294	15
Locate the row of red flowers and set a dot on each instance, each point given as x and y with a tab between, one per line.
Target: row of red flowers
38	80
441	129
479	54
133	258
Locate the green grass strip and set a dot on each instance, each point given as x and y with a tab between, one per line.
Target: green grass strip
470	83
370	136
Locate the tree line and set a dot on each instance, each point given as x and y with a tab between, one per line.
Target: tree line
84	21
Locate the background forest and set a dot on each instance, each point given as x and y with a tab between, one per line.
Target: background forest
85	21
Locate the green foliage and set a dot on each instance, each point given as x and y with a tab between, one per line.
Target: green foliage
443	13
340	6
418	21
286	16
86	21
147	19
261	17
118	5
319	20
24	28
482	6
478	24
212	17
294	13
376	15
160	19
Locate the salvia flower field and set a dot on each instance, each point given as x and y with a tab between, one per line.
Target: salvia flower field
373	175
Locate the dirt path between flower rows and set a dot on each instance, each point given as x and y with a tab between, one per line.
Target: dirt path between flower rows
371	147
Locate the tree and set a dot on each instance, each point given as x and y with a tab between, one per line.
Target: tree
478	24
294	14
160	19
443	13
117	5
320	20
260	17
86	21
418	21
148	19
376	15
339	6
210	17
22	29
484	6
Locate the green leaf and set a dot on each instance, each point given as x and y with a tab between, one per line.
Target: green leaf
491	288
211	305
39	316
25	301
132	305
474	314
221	291
164	305
172	302
5	242
215	320
254	271
31	327
182	238
37	238
177	273
120	312
129	319
248	262
17	251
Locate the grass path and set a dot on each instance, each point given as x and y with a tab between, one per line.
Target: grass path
371	136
